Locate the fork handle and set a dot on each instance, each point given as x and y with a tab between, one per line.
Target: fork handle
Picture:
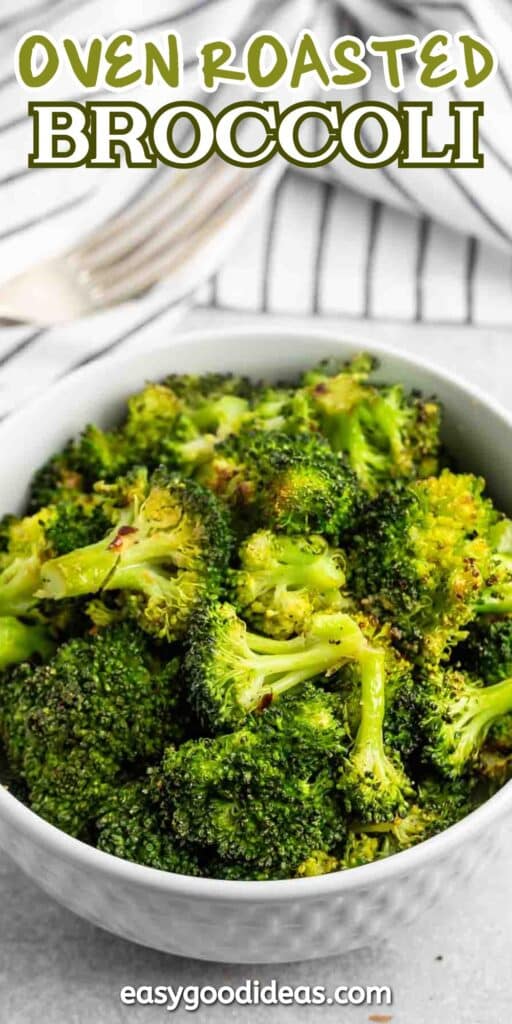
10	321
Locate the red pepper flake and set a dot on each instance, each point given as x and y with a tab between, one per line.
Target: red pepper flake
265	701
117	542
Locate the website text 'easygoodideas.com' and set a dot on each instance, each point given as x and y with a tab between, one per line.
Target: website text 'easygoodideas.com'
254	993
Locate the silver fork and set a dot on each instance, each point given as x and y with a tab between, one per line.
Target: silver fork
174	233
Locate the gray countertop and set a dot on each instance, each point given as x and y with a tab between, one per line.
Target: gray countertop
453	967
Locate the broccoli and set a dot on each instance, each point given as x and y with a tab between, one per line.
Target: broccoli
500	735
178	423
373	782
102	455
74	523
107	454
72	726
360	849
353	698
287	410
284	580
401	725
496	597
151	420
494	765
458	712
420	557
26	543
449	799
20	641
263	796
209	409
487	649
175	423
132	825
167	548
437	806
233	671
24	547
318	863
401	833
198	391
294	485
57	479
386	433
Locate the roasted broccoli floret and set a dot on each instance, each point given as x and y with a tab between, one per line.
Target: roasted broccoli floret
496	596
107	454
295	485
197	391
494	765
263	796
283	581
151	421
175	423
166	550
102	454
24	547
73	725
421	556
74	522
27	542
436	808
178	423
386	433
487	650
233	671
318	863
458	713
373	781
287	410
360	848
57	479
20	641
132	825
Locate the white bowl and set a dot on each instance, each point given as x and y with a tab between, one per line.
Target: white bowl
247	922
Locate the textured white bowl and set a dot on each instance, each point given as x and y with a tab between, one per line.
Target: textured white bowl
248	922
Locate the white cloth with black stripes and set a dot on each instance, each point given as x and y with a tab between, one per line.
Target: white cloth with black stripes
412	245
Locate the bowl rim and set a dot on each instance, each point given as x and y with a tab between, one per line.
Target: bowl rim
23	820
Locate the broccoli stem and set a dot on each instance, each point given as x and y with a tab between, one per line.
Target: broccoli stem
104	566
475	713
316	660
369	744
350	437
349	641
267	645
18	585
193	453
18	642
375	787
319	574
278	665
494	605
84	571
388	417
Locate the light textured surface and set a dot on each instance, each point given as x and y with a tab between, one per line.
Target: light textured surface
57	969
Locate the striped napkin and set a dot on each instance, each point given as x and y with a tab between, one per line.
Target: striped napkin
410	245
